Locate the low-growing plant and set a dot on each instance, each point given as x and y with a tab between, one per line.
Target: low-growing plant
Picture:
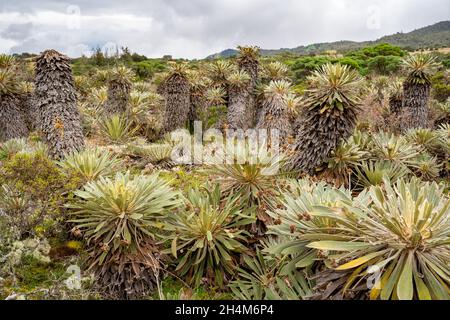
260	279
426	139
21	145
253	177
343	161
392	148
17	211
11	147
444	135
155	153
293	220
207	238
426	167
117	129
373	173
91	164
118	217
34	190
402	234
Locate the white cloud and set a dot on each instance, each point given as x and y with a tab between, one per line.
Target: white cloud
197	28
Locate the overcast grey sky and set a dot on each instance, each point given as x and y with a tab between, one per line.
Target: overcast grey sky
197	28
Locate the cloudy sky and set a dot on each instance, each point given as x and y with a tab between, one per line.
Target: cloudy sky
197	28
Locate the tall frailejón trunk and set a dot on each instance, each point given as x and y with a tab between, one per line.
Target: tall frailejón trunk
395	104
329	116
238	116
415	105
178	102
250	67
118	97
56	103
416	90
29	111
274	116
12	120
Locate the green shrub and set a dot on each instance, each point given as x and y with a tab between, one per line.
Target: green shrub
303	67
383	49
33	192
441	86
351	62
384	65
148	68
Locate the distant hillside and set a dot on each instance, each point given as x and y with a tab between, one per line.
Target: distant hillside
434	36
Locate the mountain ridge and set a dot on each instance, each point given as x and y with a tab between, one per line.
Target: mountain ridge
435	35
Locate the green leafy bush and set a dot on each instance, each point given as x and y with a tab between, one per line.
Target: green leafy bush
441	86
303	67
384	65
33	192
148	68
351	62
